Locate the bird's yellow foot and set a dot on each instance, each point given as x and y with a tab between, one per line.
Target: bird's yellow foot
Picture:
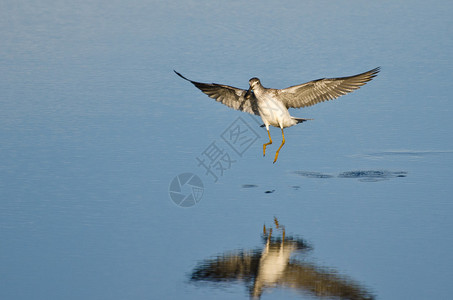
276	222
278	151
264	145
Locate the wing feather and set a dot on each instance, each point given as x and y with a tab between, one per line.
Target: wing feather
228	95
323	89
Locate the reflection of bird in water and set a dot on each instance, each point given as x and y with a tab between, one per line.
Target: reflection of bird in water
273	261
273	267
272	104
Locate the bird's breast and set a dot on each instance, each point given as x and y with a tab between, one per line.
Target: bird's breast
273	111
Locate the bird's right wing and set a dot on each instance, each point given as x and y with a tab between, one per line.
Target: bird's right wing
228	95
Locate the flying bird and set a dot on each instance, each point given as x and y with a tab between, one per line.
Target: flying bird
272	104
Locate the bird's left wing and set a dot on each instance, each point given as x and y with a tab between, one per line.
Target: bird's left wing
323	89
228	95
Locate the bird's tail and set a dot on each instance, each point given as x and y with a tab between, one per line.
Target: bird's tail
300	120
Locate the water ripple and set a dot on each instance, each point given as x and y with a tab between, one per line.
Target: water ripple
402	153
361	175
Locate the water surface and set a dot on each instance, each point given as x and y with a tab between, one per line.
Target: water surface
94	126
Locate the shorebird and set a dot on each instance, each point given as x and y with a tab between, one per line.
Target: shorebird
272	104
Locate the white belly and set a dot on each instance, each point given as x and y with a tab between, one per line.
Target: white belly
274	113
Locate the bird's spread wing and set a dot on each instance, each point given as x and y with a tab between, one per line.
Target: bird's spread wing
323	89
228	95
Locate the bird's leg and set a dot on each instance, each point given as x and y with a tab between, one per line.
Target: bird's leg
283	142
283	235
268	242
270	142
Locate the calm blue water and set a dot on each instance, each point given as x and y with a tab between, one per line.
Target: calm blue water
94	126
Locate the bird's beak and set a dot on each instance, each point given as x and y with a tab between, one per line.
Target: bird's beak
247	95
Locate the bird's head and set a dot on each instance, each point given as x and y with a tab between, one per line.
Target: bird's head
253	83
